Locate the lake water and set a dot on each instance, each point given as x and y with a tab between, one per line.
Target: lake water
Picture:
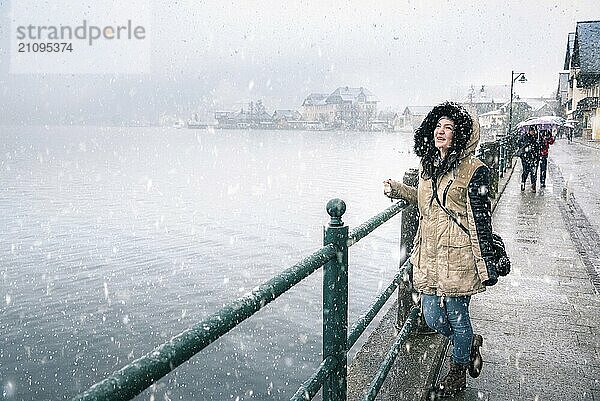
113	240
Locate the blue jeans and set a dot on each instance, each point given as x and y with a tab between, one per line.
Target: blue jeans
451	319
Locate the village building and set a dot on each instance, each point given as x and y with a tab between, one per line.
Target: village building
562	93
493	123
286	119
582	60
346	108
486	98
387	121
316	108
413	116
252	115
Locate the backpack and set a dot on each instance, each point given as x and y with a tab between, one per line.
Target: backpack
502	260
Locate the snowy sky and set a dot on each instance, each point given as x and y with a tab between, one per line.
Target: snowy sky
210	54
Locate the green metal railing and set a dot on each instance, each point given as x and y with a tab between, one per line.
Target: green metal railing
498	155
386	365
140	374
132	379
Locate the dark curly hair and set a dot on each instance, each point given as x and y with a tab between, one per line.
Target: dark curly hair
425	144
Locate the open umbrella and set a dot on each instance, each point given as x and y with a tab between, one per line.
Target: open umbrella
544	122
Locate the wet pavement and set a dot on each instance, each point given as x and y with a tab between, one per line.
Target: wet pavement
541	323
579	164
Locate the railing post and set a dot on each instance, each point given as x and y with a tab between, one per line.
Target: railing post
502	162
410	223
335	302
490	155
511	146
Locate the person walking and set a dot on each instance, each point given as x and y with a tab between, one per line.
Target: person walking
449	264
570	134
545	141
529	152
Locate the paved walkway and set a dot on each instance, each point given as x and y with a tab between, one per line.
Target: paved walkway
541	324
579	164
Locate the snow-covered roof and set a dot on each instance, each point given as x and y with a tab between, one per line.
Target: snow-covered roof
492	113
586	52
315	99
537	103
347	94
287	114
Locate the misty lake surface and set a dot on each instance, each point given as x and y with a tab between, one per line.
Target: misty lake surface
113	240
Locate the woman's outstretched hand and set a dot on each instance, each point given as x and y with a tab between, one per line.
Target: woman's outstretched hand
398	190
387	187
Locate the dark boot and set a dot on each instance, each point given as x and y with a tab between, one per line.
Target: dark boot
532	187
454	382
476	362
522	186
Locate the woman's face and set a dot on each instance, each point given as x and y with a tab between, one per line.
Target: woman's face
443	134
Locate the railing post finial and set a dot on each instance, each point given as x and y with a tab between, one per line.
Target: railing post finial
336	209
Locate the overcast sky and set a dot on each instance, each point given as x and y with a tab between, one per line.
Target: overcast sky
208	55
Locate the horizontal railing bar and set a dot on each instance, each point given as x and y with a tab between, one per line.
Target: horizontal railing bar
386	365
135	377
311	387
370	225
363	322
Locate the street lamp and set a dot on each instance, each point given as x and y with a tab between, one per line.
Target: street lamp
514	76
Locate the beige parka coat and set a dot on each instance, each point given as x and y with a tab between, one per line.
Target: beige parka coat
446	260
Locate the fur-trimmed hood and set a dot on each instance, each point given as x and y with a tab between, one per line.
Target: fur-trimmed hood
464	142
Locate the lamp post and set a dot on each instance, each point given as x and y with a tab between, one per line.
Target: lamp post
514	76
